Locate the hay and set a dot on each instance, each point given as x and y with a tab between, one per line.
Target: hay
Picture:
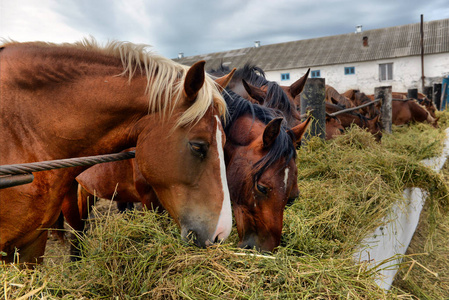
347	186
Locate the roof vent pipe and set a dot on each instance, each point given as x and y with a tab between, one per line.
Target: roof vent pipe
256	44
358	29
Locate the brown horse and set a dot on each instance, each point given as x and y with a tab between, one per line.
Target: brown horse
348	118
422	99
332	96
250	83
60	101
407	111
333	127
260	162
359	98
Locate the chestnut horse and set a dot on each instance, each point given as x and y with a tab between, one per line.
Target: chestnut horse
260	163
359	98
348	118
61	101
332	96
407	111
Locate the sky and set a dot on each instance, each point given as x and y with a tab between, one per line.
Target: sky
196	27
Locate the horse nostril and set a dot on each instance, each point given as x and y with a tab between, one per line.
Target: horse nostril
192	236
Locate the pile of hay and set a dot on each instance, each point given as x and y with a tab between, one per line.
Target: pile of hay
346	187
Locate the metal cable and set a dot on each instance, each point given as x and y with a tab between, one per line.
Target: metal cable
63	163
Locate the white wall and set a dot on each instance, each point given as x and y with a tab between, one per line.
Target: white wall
406	74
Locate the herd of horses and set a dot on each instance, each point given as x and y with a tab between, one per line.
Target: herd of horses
209	145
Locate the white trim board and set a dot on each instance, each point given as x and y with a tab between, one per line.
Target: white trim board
393	239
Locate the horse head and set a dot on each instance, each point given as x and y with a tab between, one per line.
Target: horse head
184	164
262	175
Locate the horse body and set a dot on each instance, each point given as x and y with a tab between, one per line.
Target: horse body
61	101
348	118
408	111
359	98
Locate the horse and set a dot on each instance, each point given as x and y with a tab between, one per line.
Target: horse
332	96
348	118
333	127
407	111
73	100
422	99
359	98
250	83
261	171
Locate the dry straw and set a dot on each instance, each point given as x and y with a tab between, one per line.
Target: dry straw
347	186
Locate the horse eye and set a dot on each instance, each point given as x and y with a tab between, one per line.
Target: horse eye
262	189
199	149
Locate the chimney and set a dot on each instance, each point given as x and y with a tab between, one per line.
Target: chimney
256	44
358	29
180	55
365	41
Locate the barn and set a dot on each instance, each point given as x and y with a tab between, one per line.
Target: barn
360	60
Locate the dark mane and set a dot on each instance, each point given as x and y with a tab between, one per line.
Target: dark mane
276	97
282	148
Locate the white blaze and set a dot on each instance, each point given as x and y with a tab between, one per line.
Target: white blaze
286	177
224	224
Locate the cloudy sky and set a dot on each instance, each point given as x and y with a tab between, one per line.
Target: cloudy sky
204	26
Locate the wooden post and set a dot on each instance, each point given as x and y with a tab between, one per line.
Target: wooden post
312	99
428	91
437	95
384	93
412	93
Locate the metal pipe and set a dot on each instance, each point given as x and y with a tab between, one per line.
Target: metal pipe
13	180
422	53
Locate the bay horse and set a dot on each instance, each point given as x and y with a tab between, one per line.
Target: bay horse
250	83
261	171
74	100
408	111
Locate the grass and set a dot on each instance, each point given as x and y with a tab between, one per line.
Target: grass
347	186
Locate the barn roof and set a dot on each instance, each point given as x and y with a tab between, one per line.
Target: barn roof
384	43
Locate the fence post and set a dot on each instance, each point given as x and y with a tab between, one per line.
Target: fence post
437	95
312	98
384	93
412	93
428	92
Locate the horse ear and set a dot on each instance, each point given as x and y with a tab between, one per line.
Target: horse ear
298	86
223	81
300	129
254	92
194	80
271	132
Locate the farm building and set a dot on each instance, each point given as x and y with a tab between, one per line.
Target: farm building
359	60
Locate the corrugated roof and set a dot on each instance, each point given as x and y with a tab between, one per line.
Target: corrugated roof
384	43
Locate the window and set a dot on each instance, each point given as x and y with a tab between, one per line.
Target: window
315	74
385	72
349	70
285	76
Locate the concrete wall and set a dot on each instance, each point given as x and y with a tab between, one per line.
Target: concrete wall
406	74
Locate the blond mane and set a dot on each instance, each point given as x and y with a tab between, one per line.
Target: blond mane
165	78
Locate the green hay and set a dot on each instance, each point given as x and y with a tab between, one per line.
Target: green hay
346	187
425	272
